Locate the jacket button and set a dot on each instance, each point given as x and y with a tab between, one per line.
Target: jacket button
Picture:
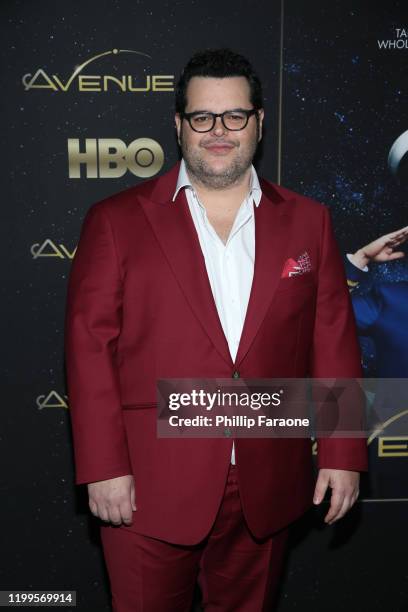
235	374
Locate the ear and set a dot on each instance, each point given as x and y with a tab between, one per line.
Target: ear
261	115
177	121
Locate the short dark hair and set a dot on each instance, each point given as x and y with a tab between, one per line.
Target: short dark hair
218	63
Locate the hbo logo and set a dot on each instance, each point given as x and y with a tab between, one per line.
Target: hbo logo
111	157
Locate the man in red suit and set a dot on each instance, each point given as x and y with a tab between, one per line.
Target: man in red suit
204	272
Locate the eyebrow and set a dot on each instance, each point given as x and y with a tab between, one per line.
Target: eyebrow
228	110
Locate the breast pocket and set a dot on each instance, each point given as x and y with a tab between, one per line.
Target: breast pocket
301	282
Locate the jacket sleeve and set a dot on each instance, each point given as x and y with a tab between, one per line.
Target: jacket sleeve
367	307
92	328
336	351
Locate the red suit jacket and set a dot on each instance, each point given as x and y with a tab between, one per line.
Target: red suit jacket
140	307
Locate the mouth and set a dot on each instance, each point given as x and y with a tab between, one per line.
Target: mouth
219	147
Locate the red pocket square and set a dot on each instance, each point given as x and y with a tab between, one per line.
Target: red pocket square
294	267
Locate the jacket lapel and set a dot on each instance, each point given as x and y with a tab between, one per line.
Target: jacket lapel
272	224
175	231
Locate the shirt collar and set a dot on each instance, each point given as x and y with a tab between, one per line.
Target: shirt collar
184	181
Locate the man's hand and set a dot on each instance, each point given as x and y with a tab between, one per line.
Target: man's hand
113	500
345	490
381	249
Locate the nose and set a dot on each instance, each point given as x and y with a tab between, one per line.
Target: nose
218	128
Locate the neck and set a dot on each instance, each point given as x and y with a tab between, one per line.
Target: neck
229	197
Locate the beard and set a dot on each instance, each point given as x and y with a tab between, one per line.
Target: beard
204	174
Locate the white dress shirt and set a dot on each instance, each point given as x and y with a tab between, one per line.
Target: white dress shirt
230	266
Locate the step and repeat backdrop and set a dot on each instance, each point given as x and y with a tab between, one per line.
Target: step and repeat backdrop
88	110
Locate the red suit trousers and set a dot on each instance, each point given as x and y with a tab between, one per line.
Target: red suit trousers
235	571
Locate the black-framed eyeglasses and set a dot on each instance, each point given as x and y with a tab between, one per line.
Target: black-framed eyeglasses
233	120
